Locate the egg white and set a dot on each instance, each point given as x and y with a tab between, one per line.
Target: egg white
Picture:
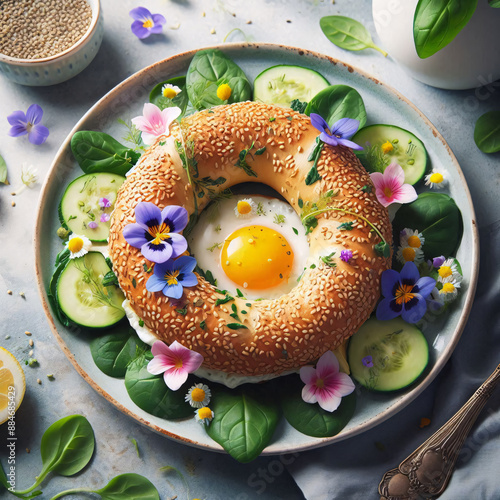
218	222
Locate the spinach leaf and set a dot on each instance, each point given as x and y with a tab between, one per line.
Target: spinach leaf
487	131
99	152
437	217
150	393
494	3
110	279
181	100
209	69
336	102
311	419
298	106
67	446
347	33
438	22
244	420
113	352
129	487
3	170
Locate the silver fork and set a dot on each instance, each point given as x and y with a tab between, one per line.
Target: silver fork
427	471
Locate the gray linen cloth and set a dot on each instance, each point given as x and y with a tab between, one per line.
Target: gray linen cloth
352	469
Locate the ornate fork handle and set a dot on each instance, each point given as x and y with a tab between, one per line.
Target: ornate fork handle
427	471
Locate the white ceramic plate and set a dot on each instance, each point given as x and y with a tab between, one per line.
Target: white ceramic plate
384	105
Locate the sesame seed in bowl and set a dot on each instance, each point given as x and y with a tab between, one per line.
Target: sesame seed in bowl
49	42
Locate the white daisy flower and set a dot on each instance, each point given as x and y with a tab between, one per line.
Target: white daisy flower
198	396
204	415
410	254
449	291
435	180
170	91
78	245
245	208
411	237
448	270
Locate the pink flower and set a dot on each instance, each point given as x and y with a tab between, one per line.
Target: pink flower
390	186
155	122
175	362
325	384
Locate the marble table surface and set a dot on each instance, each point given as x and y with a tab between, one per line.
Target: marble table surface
190	24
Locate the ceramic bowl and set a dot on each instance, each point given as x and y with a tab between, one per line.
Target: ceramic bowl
62	66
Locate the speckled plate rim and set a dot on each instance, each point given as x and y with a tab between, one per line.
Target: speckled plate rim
317	442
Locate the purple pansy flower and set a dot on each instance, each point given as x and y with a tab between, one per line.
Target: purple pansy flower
146	23
404	294
29	123
339	134
367	361
346	255
104	203
172	276
104	217
155	231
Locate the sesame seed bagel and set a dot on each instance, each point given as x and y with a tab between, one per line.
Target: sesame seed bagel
328	304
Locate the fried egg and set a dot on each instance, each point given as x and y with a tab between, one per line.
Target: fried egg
254	244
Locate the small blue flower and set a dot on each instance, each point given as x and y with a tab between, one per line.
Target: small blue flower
146	23
172	276
339	134
404	294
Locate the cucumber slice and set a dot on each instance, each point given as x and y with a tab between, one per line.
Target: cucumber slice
80	204
282	84
407	150
82	296
399	354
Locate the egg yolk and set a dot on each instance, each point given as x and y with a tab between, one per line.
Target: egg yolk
257	257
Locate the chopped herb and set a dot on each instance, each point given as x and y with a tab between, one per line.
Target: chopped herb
32	362
284	353
242	161
383	249
272	119
110	279
301	203
295	230
235	316
312	266
260	209
327	259
279	219
223	292
226	299
162	143
134	283
136	446
203	325
248	304
134	134
289	118
214	246
367	188
313	176
182	311
239	293
217	228
71	217
260	151
141	323
310	224
198	303
210	111
236	326
243	311
147	269
298	106
346	226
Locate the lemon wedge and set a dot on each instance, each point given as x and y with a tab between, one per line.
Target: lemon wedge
12	384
